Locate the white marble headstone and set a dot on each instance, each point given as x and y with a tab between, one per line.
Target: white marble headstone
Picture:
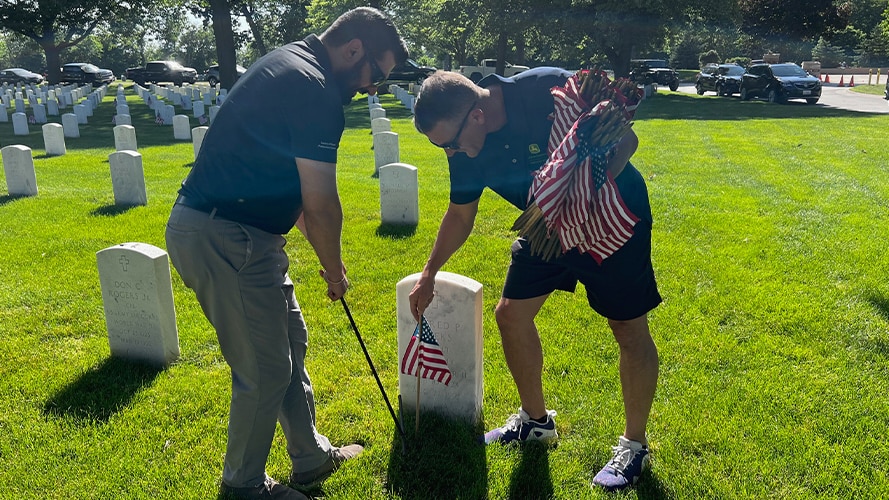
54	139
385	149
123	120
377	113
378	125
125	138
18	166
20	124
137	293
197	138
127	178
70	126
399	195
455	317
81	113
181	128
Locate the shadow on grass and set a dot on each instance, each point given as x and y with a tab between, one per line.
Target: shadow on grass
426	469
881	304
650	487
9	198
102	391
679	106
531	479
396	231
112	210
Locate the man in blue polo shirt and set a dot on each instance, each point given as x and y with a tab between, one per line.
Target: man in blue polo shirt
495	135
268	163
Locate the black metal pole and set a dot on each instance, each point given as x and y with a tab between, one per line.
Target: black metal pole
374	370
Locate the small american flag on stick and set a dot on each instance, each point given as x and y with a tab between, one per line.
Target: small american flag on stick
423	353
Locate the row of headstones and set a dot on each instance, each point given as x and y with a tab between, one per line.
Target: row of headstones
399	186
63	95
127	176
140	317
83	110
181	96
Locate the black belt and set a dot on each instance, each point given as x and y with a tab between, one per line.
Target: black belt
200	207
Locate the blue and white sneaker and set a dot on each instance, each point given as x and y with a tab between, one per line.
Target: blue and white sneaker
630	459
520	428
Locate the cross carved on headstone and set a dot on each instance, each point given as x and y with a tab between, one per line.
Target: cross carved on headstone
123	262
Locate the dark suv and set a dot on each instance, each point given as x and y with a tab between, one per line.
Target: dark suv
86	73
410	72
724	79
780	82
647	71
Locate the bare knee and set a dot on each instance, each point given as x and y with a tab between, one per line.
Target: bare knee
632	334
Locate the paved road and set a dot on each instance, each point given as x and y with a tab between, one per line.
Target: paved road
832	96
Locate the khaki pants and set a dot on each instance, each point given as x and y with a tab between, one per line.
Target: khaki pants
239	274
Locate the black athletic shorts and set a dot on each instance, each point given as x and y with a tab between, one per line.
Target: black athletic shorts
621	288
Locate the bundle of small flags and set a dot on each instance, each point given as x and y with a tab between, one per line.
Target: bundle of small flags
202	119
158	119
575	201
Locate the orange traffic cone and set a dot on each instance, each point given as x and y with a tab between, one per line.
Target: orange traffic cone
841	81
826	78
852	81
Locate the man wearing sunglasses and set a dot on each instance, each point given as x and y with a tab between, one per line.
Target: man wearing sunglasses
267	163
495	135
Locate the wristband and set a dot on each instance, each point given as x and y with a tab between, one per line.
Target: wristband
340	282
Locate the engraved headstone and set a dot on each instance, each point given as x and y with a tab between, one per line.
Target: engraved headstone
54	139
122	109
137	293
385	149
198	108
52	107
455	317
18	166
80	112
39	113
399	195
127	178
377	113
125	138
123	120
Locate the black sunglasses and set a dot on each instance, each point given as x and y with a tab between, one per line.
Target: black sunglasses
454	144
376	74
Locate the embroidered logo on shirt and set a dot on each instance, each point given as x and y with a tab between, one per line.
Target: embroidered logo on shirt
533	149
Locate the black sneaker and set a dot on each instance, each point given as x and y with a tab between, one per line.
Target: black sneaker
625	468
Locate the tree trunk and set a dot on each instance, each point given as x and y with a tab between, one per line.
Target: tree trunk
258	40
53	62
501	53
225	42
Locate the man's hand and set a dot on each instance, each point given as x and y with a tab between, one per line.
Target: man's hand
421	296
336	288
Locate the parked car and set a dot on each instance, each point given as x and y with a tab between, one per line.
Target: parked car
648	71
780	82
162	71
724	79
410	72
211	75
86	73
19	75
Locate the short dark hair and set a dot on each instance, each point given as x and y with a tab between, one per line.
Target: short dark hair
445	95
375	30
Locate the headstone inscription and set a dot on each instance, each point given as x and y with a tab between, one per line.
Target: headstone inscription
399	195
137	294
18	166
127	178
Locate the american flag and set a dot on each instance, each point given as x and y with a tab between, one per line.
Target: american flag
423	352
202	119
574	189
158	119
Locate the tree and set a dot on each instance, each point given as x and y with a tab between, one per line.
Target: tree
790	19
58	24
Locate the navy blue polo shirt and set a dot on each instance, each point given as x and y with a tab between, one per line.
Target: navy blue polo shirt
286	106
511	155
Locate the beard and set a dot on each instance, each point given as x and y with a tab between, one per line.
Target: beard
348	83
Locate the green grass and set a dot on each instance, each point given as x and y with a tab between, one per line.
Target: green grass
870	89
771	224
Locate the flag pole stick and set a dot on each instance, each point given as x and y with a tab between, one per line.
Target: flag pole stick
373	370
419	369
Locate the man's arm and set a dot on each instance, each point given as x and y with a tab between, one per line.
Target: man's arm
322	221
622	153
455	227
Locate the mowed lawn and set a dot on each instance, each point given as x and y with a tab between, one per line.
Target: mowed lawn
770	237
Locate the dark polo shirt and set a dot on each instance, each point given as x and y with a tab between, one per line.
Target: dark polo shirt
510	155
286	106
